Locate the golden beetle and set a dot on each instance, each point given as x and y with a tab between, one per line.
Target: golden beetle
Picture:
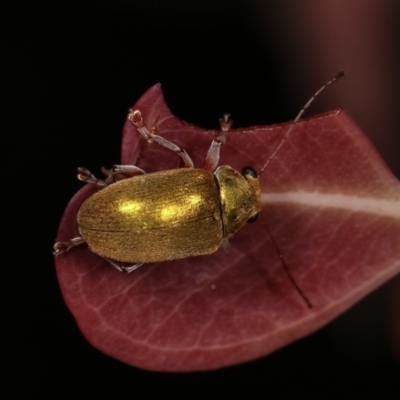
168	215
171	214
165	215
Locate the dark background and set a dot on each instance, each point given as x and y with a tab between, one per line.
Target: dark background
73	71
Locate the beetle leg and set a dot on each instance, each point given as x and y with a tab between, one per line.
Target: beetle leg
122	267
127	170
62	247
86	176
135	116
212	157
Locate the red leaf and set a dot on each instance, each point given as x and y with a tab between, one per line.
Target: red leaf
330	203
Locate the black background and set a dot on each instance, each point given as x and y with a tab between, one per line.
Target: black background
74	70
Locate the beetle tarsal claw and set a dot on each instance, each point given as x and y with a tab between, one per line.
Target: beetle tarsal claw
84	175
135	116
59	248
225	123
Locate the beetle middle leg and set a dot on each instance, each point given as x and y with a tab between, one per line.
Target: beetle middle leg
127	171
135	116
212	157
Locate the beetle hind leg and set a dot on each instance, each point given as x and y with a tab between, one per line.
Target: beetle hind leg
62	247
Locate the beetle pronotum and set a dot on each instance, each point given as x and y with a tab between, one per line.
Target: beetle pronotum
172	214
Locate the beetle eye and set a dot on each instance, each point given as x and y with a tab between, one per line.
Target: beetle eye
252	219
248	171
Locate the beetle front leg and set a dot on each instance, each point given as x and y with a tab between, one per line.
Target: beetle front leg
127	171
212	157
135	116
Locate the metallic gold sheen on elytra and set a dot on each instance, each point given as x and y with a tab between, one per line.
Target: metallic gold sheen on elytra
154	217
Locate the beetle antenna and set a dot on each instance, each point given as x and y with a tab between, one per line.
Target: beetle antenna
299	115
286	268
